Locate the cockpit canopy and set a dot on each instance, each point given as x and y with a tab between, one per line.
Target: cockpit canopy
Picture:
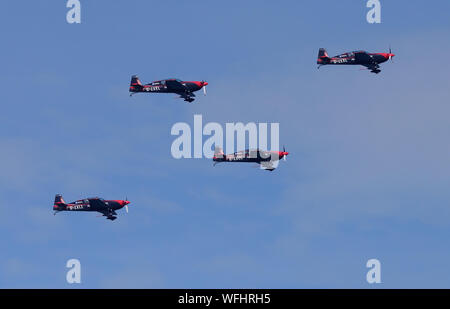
351	54
346	55
163	82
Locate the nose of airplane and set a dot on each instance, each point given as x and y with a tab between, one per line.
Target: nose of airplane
200	84
388	55
124	203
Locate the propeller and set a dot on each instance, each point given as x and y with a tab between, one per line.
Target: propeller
126	206
390	54
204	87
284	157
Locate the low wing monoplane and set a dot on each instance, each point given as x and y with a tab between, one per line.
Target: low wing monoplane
370	60
106	207
184	89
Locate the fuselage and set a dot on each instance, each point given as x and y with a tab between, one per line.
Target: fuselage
252	156
163	86
88	205
356	58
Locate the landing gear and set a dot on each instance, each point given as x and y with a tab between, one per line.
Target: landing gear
188	96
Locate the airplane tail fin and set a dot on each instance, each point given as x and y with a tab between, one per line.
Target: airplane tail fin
218	152
135	84
59	201
323	57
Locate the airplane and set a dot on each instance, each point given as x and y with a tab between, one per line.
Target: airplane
266	159
106	207
184	89
370	60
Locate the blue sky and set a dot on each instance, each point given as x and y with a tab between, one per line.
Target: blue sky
367	177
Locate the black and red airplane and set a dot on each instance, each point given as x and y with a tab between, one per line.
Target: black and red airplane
184	89
106	207
268	160
370	60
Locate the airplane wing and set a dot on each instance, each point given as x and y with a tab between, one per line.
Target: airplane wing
175	86
102	207
186	95
109	214
374	67
368	62
267	165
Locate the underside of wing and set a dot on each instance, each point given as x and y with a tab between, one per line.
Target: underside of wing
374	68
267	165
109	214
366	60
186	95
372	65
